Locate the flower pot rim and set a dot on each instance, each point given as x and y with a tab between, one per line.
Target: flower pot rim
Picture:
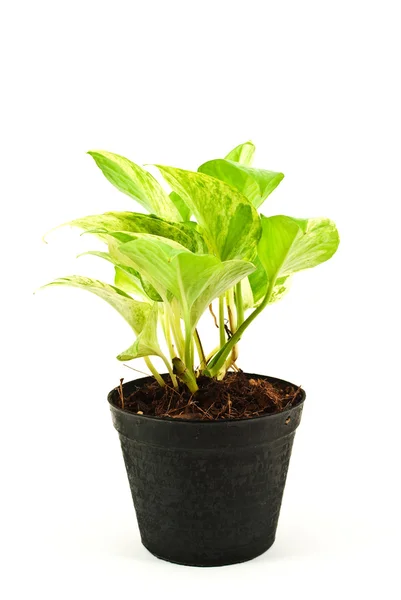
215	422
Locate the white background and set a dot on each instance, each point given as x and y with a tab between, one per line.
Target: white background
316	86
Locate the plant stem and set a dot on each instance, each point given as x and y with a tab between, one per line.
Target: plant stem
170	370
188	374
177	332
230	310
221	322
154	372
167	335
212	353
218	361
199	348
188	354
239	304
185	375
233	329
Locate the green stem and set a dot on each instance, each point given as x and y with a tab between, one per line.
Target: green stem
230	310
167	335
188	354
188	373
154	372
233	329
177	332
218	361
170	370
239	304
212	353
221	322
199	348
185	375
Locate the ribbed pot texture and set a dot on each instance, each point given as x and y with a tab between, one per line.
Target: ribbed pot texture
206	493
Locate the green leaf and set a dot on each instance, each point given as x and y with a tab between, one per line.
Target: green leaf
115	239
193	279
215	281
130	222
124	262
258	283
141	316
133	180
253	295
132	281
180	206
281	288
255	184
146	344
153	260
230	223
133	311
289	245
128	282
242	154
247	295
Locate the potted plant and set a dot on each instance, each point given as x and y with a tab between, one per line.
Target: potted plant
206	446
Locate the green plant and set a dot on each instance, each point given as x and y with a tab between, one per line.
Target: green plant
203	241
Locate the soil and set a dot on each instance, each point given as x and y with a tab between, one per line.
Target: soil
238	396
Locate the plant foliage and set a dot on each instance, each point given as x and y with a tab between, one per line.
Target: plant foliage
203	241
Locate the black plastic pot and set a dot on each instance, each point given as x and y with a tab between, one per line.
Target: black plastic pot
206	493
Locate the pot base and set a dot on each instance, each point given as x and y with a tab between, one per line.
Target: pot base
238	555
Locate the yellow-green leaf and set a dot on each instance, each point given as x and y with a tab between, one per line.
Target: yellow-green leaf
289	245
242	154
230	223
133	180
193	279
255	184
139	315
131	222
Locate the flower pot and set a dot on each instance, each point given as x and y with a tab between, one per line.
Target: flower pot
206	493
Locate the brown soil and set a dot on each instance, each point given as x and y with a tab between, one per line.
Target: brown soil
238	396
